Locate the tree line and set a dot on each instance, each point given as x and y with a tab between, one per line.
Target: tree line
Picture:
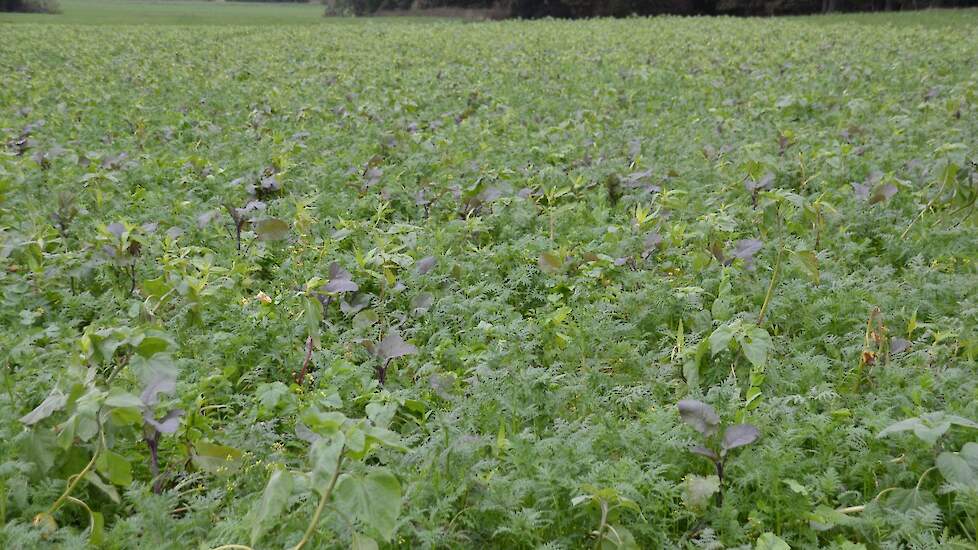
619	8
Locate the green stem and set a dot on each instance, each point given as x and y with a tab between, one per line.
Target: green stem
73	481
322	504
604	524
770	287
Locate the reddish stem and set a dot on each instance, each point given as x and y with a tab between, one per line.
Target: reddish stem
305	364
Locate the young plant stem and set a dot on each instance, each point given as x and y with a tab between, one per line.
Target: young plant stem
322	503
72	482
770	287
719	497
602	526
305	364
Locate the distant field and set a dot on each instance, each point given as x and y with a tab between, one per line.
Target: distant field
196	12
177	12
277	280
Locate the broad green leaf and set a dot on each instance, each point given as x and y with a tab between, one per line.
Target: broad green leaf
215	458
272	229
955	469
110	491
720	339
617	537
51	404
273	501
756	344
363	542
374	499
115	467
324	423
770	541
121	399
324	454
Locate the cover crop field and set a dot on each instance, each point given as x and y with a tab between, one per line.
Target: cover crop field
646	283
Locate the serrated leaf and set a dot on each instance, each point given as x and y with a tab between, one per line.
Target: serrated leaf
906	500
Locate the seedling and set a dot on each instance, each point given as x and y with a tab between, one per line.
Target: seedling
705	420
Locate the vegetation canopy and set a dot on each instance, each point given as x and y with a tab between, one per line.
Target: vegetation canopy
639	283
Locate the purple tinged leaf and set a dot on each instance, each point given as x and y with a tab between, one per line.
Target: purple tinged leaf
702	417
861	190
162	380
207	217
899	345
355	304
763	183
745	249
337	273
703	451
341	285
883	193
549	262
116	229
393	346
426	264
739	435
168	424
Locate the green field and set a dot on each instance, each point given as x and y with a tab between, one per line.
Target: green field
445	284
